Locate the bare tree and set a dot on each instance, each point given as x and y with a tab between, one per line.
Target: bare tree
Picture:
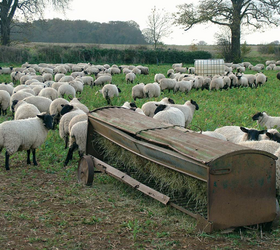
27	9
159	26
233	14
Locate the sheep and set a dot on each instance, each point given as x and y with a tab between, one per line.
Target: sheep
216	83
115	70
138	91
130	77
136	71
183	86
26	134
78	139
170	115
9	88
15	76
214	135
188	109
181	69
4	101
278	76
144	70
260	79
76	119
55	109
158	77
60	70
24	110
66	79
6	70
191	70
77	85
236	134
242	81
227	82
18	96
175	65
150	107
267	121
41	102
273	135
129	105
58	76
251	79
49	92
66	90
109	91
102	80
170	72
77	104
87	80
67	113
46	77
167	83
151	90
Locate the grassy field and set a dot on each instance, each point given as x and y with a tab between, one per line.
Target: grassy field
44	206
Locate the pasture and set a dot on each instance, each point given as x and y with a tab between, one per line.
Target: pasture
44	206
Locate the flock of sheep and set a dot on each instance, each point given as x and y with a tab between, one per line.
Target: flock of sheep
39	102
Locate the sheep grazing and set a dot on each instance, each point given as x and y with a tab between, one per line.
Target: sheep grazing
183	86
261	79
8	87
274	136
49	92
167	83
78	139
41	102
138	91
158	77
26	134
278	75
236	134
66	90
7	70
151	90
102	80
77	104
242	81
169	115
267	121
55	109
130	77
216	83
150	107
4	101
109	91
24	110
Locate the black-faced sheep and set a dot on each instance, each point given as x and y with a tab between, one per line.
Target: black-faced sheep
267	121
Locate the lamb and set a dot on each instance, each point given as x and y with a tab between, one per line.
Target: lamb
150	107
49	92
26	134
170	115
191	70
41	102
66	90
167	83
109	91
236	134
188	109
102	80
183	86
78	139
4	101
130	77
138	91
55	109
24	110
151	90
67	112
267	121
129	105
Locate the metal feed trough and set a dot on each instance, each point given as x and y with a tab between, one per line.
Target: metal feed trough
239	182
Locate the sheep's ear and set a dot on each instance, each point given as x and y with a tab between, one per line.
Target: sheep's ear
245	130
62	105
119	90
41	116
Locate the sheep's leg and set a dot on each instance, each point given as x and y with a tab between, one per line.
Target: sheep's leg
66	142
28	157
70	153
7	156
34	157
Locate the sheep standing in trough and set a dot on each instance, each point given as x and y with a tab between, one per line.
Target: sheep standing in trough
26	134
267	121
168	114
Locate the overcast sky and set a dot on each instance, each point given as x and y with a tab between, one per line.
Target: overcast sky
113	10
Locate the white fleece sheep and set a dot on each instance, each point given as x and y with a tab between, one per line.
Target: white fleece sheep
87	80
76	119
102	80
18	96
216	83
77	85
158	77
6	70
267	121
138	91
130	77
151	90
261	79
4	101
251	79
55	109
150	107
242	81
76	103
24	110
65	120
167	83
183	86
78	139
26	134
214	135
58	76
110	91
41	102
168	114
188	109
49	92
8	87
66	90
66	79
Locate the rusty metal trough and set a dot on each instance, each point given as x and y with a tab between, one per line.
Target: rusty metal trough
240	181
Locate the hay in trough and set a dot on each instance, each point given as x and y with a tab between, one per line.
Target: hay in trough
163	179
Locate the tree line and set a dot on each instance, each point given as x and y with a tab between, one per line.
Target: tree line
79	31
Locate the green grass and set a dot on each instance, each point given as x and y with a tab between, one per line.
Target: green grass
44	207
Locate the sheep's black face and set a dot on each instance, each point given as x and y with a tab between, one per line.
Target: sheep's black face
171	101
257	116
66	108
253	134
195	104
47	120
273	136
133	105
160	107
